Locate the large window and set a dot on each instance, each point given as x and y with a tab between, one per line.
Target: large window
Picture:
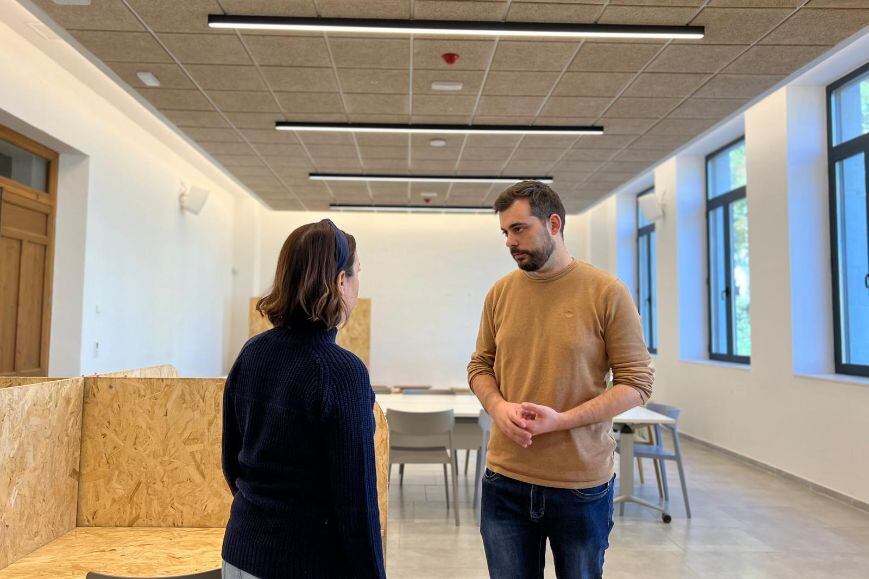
727	235
848	138
647	299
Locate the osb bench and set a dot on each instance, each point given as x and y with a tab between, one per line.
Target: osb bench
105	469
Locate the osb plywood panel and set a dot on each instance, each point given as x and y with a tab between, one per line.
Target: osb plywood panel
122	551
40	436
160	371
381	454
151	453
10	381
354	336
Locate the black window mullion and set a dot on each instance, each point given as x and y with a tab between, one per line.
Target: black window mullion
652	337
728	281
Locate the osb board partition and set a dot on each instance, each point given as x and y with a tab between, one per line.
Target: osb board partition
381	456
10	381
355	335
40	436
151	453
159	371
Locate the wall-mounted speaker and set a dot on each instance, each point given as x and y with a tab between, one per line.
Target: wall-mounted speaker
651	206
192	199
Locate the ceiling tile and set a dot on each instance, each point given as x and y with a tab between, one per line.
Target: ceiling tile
299	102
553	12
592	83
244	120
538	154
606	141
370	52
736	25
501	120
569	164
705	108
383	152
377	118
169	75
689	127
381	139
810	26
658	84
122	46
366	80
222	148
640	108
470	79
288	50
546	141
441	104
616	126
496	141
451	10
473	54
469	166
333	152
486	154
239	160
286	162
386	165
774	59
529	168
574	106
299	79
269	135
509	106
612	57
657	2
755	3
206	48
244	172
590	154
226	77
381	104
647	15
536	56
640	155
174	16
364	8
271	7
694	58
279	149
661	142
168	98
205	134
444	153
99	15
519	83
243	100
208	119
347	164
737	85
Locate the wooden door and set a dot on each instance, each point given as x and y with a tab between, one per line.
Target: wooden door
26	267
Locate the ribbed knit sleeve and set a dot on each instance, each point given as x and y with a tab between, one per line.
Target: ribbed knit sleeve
231	438
483	358
625	345
349	427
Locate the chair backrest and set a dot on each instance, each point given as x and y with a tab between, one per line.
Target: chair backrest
435	391
485	421
213	574
666	410
379	389
420	423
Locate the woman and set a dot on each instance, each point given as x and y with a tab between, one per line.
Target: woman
298	426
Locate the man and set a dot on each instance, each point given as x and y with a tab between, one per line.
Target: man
548	335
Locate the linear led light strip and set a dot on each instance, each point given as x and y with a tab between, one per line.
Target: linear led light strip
423	178
409	208
454	27
438	129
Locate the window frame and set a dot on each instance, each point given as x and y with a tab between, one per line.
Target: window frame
724	200
835	154
646	231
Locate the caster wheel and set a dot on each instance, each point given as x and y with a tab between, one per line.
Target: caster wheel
666	518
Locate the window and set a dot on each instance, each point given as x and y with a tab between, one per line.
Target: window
848	156
727	242
647	299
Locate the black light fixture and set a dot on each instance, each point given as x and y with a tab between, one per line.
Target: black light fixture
398	178
375	208
454	27
433	129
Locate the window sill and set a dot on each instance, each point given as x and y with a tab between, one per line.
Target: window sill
837	378
719	364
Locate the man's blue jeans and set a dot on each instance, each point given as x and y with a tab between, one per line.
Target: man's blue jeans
518	517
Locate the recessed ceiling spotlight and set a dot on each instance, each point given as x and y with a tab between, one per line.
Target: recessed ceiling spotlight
148	78
447	85
438	142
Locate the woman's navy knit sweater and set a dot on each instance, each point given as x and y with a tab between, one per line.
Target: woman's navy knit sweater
298	454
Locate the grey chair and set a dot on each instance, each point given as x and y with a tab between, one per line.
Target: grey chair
485	422
660	453
428	392
424	438
380	389
213	574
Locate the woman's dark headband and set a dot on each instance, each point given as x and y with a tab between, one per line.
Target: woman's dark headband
342	246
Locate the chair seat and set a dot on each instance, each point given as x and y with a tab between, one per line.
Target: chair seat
398	455
652	451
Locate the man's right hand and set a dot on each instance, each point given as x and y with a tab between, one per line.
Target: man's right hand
509	418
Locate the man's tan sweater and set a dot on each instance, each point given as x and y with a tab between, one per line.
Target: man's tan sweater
550	340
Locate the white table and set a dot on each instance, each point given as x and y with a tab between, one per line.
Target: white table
468	407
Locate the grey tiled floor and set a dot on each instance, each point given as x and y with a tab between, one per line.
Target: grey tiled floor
746	523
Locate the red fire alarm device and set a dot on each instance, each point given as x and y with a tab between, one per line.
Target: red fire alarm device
450	57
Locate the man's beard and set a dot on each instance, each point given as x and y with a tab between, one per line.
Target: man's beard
537	258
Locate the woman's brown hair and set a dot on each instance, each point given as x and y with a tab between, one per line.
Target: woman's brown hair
305	291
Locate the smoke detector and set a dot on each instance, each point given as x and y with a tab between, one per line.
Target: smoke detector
427	197
438	143
449	86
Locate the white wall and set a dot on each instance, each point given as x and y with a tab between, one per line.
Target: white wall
134	274
786	409
427	276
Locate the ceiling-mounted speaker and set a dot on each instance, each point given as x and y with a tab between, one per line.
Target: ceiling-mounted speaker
192	199
651	206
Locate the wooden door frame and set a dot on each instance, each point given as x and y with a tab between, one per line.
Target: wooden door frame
46	198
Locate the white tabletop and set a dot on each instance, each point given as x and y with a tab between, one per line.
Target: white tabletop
467	406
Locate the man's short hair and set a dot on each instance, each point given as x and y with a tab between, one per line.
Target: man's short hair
542	199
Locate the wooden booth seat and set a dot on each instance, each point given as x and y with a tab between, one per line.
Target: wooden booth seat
118	474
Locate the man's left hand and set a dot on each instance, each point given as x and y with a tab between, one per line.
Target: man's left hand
541	419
